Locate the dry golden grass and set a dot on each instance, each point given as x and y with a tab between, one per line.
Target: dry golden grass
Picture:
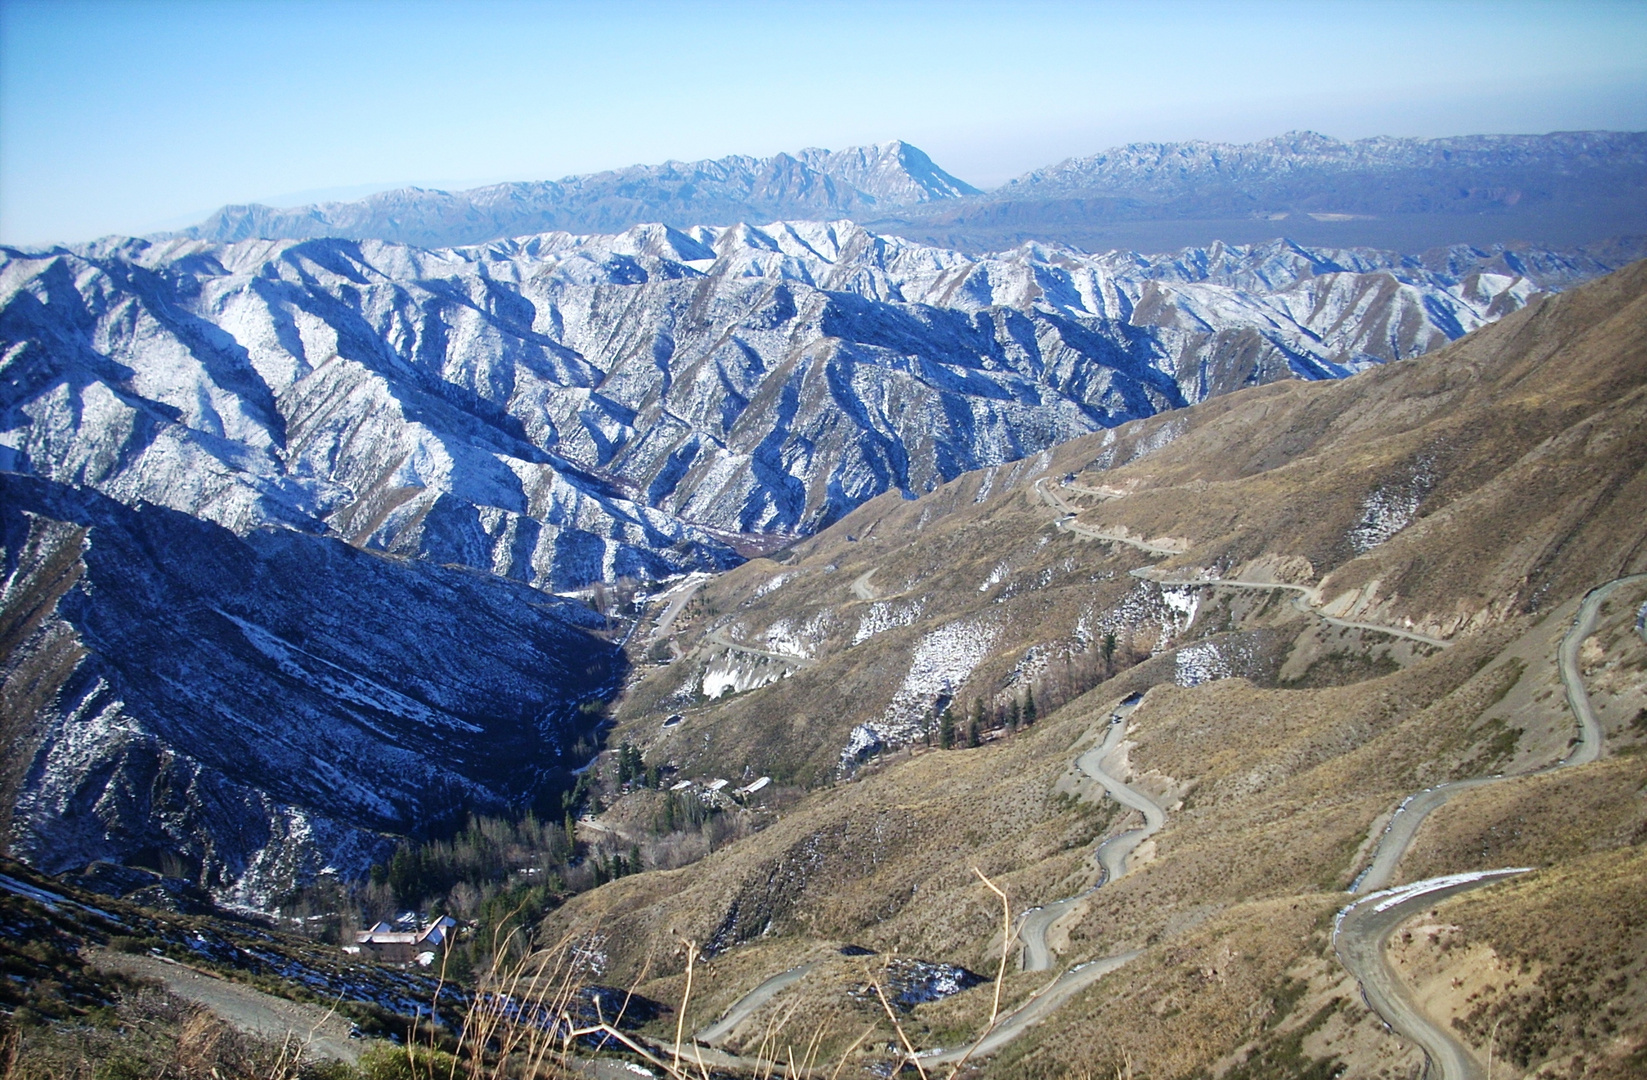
1533	430
1536	821
1576	935
1536	433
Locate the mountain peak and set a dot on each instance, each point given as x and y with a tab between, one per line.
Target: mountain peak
810	184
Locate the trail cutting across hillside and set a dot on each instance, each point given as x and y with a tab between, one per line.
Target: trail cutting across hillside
1307	599
680	596
1111	854
1359	937
1037	1008
1111	857
746	1005
718	637
1068	524
1364	927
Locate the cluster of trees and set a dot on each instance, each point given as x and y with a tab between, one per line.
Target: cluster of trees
954	731
632	769
488	851
504	874
1060	684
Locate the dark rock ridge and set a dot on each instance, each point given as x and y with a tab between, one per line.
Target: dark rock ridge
260	707
814	184
566	409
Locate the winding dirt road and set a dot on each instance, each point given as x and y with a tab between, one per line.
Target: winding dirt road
1111	854
1360	936
1572	675
683	594
1403	826
1068	524
316	1032
718	637
1365	926
1308	599
1039	1006
746	1005
1111	857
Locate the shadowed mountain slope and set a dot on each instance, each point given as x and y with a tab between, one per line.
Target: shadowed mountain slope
261	707
566	409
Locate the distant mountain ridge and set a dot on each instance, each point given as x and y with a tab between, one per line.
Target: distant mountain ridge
1290	165
858	181
1561	189
1558	190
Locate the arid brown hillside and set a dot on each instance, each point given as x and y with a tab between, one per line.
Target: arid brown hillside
1471	497
1515	459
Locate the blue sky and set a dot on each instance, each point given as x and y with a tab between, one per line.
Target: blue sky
135	115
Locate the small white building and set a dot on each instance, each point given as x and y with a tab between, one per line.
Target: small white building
382	942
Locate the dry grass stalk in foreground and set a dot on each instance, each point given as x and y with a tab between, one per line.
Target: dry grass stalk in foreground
523	1022
910	1054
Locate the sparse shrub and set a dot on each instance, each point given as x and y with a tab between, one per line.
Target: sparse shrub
384	1062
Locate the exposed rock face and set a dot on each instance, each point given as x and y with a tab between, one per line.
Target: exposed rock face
812	184
263	706
561	409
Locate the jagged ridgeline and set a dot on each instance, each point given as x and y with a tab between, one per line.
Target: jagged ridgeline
561	410
248	710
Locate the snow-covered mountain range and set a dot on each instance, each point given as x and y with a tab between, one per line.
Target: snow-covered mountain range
857	182
563	409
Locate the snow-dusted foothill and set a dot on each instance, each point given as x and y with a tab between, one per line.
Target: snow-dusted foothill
942	662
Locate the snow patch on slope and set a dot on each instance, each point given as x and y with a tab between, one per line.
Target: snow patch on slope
941	664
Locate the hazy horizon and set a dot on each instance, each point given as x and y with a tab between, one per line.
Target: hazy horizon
123	118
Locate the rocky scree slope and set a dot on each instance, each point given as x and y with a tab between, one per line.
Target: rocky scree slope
261	707
566	409
812	184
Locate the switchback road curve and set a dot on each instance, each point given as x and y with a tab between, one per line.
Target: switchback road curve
1364	928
